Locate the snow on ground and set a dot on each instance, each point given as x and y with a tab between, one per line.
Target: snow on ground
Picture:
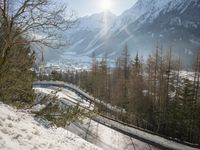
107	138
144	135
19	131
187	75
68	93
64	94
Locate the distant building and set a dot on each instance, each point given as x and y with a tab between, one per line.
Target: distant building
42	65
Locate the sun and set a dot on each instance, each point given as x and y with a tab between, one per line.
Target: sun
106	4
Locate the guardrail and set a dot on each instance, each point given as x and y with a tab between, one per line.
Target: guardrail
129	130
80	92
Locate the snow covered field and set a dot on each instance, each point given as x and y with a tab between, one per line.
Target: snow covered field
19	131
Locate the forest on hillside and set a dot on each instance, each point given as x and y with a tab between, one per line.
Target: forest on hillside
155	95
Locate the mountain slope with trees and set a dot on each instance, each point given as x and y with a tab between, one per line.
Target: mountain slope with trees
154	95
142	27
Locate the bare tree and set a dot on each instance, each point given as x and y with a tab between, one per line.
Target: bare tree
37	21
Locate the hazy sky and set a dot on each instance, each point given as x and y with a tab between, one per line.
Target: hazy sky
88	7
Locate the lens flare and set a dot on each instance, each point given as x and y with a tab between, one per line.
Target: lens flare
105	4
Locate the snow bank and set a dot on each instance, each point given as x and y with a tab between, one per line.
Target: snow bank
19	130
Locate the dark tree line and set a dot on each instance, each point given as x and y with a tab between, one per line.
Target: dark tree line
154	94
16	76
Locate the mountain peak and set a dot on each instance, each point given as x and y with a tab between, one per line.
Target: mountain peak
100	15
151	9
175	21
96	21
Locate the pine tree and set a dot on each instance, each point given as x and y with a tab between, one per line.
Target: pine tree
136	87
124	65
16	76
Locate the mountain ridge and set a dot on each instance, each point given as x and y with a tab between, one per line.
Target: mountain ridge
171	23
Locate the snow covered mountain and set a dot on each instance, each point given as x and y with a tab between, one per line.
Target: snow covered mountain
89	28
168	23
95	22
81	35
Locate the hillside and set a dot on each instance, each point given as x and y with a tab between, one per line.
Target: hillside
19	130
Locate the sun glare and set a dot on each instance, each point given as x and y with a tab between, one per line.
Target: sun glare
105	4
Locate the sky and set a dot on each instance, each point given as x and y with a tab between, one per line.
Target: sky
88	7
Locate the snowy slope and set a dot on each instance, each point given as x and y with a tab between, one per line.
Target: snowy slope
107	138
140	8
94	22
19	131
